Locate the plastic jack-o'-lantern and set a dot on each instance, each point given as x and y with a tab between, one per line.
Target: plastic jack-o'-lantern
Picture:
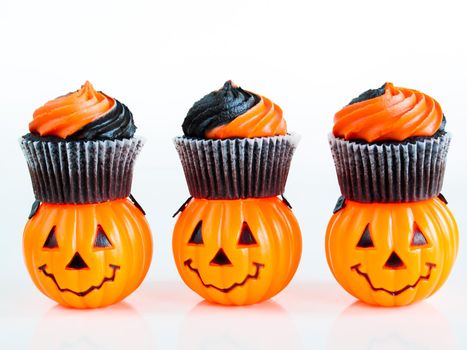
392	254
86	244
87	255
237	251
392	239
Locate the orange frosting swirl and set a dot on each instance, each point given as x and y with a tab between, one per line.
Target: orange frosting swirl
67	114
396	115
262	120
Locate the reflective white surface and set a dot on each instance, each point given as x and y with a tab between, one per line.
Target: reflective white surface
158	57
169	316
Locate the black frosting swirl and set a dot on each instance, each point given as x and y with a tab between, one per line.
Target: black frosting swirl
218	108
117	123
369	94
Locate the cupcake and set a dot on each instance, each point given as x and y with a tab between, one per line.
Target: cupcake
235	241
392	239
87	243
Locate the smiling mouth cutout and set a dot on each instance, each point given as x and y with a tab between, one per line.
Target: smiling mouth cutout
430	266
87	291
255	276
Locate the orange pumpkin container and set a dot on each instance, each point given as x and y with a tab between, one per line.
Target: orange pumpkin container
392	239
86	244
236	242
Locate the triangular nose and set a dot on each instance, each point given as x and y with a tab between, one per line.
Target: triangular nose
220	259
394	262
77	263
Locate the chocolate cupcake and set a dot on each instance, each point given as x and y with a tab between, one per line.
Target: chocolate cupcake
235	145
236	242
82	229
81	148
389	145
392	239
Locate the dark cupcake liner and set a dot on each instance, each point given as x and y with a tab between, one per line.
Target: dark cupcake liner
390	172
77	172
236	168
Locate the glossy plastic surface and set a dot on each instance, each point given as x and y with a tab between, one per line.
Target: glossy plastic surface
87	255
392	254
243	252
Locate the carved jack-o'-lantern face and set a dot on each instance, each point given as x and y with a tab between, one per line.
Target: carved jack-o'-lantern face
237	252
392	254
87	255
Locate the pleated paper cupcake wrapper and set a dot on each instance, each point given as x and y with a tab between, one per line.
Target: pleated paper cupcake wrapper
236	168
392	172
77	172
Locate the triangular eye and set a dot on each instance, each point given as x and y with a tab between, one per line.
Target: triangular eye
418	239
51	241
101	241
196	236
246	236
366	241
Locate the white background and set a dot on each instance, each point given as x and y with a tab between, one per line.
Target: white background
158	57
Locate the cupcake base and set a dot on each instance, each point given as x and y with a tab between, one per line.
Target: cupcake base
78	172
236	168
390	172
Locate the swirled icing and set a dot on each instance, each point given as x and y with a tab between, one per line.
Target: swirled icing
388	114
232	112
82	115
